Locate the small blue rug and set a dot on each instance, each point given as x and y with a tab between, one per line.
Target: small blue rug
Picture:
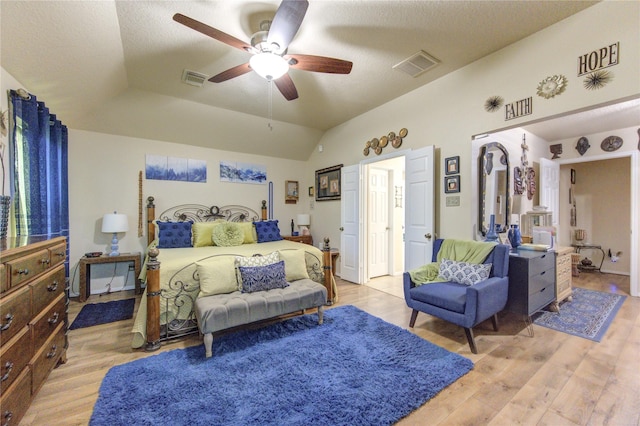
103	313
588	315
355	369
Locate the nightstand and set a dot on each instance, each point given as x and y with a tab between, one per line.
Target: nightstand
85	271
304	239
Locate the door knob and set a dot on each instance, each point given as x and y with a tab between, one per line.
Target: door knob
428	236
341	228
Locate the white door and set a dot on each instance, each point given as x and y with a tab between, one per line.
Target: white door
550	188
419	207
378	222
351	225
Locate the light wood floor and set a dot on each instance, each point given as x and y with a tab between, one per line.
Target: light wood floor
550	379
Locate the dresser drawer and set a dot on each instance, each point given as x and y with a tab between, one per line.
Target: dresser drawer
4	282
16	400
57	254
542	263
27	267
14	356
47	357
46	323
16	313
542	298
47	288
541	280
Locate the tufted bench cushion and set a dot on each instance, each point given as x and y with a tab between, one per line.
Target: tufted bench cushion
222	311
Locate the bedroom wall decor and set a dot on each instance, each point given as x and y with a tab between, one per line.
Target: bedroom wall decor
493	103
452	165
582	145
328	186
161	167
552	86
242	172
291	194
518	108
378	144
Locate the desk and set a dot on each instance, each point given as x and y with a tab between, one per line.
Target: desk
85	271
579	247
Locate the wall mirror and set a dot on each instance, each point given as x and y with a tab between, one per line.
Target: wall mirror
493	185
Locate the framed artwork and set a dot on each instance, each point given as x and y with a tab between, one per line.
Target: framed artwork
452	184
328	185
452	165
291	188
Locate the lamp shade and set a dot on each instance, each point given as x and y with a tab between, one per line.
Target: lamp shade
115	222
304	220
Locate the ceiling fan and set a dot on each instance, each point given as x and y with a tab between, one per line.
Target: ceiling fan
269	49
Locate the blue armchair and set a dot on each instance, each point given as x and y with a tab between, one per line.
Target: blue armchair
460	304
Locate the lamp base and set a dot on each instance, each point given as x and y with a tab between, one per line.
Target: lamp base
114	245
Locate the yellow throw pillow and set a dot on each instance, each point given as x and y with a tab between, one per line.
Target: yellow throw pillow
250	236
295	266
202	232
217	276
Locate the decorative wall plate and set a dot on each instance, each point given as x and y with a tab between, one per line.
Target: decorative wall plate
611	143
552	86
396	142
374	143
583	145
368	144
391	136
403	132
378	150
384	141
366	151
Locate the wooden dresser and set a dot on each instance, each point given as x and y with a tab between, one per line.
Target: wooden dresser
532	281
563	276
304	239
33	319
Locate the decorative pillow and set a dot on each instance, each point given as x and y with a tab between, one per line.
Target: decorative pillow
227	234
202	233
174	234
464	272
255	260
249	230
260	278
267	231
295	266
217	276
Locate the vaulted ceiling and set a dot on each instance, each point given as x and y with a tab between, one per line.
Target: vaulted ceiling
115	66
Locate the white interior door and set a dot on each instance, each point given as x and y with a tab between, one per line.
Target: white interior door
419	207
351	225
378	222
550	188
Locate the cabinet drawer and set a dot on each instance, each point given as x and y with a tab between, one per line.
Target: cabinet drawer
27	267
47	288
16	313
16	400
14	356
46	323
57	254
47	357
4	283
543	263
540	281
541	299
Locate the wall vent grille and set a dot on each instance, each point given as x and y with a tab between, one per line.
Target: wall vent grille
193	78
417	64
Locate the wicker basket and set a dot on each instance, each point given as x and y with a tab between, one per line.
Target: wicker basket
575	261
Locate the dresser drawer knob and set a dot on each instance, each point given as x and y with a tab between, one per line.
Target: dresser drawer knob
53	286
9	318
24	271
54	318
7	417
60	254
53	351
45	261
8	366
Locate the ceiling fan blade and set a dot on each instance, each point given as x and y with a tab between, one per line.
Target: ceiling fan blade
286	23
320	64
211	32
286	87
231	73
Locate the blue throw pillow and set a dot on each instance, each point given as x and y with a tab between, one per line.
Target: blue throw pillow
174	234
259	278
267	231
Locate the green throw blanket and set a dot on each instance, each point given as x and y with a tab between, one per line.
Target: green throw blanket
459	250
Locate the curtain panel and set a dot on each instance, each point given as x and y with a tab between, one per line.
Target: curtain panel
40	170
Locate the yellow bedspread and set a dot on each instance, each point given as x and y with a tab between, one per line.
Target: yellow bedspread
179	261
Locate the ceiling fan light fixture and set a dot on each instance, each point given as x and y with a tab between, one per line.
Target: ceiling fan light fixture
269	65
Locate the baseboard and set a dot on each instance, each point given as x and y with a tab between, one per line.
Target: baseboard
626	274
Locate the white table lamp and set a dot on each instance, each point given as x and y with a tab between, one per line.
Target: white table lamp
114	223
303	223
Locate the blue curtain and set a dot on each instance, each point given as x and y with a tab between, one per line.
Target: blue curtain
40	166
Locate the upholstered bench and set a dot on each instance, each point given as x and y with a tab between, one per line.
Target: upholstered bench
223	311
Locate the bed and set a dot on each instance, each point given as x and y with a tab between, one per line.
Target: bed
171	276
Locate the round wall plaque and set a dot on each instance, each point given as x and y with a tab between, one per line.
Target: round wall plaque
611	143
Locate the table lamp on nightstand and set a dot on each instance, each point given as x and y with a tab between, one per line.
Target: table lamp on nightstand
303	223
114	223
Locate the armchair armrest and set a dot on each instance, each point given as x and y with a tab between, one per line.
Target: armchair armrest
486	298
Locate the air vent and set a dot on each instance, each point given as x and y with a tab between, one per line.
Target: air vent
417	64
193	78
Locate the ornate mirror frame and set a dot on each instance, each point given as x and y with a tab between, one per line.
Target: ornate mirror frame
486	167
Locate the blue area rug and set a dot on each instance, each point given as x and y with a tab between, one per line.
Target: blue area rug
588	315
355	369
103	313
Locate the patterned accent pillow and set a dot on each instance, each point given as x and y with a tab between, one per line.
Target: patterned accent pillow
174	234
464	272
267	231
260	278
227	234
255	260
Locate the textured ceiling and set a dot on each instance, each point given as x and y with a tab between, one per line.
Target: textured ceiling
115	66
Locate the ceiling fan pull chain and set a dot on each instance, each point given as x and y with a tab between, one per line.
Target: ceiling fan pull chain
270	104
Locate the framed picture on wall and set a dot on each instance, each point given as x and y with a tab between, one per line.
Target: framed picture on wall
328	185
452	184
452	165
